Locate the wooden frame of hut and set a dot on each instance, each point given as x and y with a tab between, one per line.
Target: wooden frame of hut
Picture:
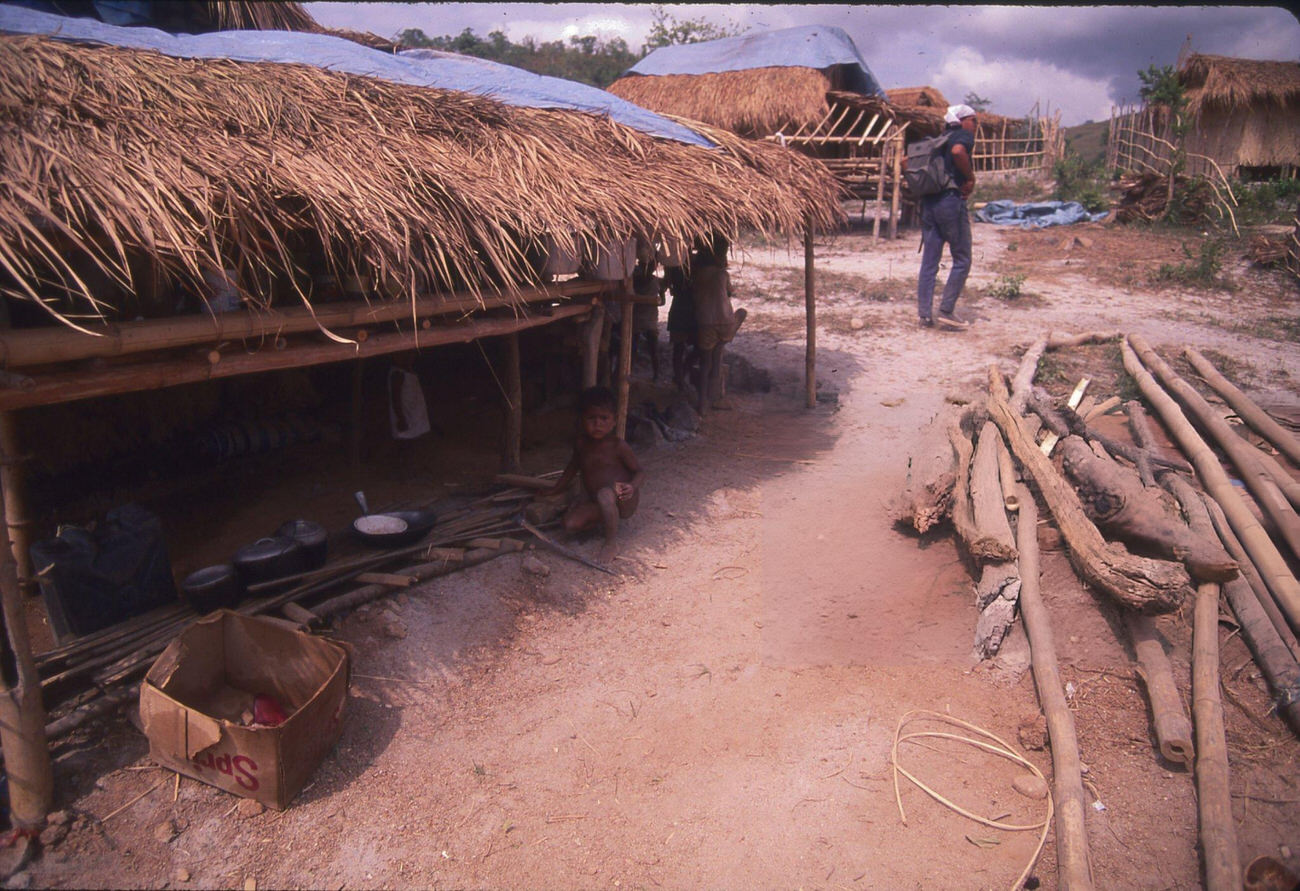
1244	114
137	181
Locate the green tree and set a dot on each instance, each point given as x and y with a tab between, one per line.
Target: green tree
1162	87
977	102
668	30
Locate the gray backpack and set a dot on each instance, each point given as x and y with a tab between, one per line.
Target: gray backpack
925	171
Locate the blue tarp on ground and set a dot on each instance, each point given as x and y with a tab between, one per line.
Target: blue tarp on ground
1036	214
808	46
513	86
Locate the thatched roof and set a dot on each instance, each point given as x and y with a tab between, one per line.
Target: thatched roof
114	154
1235	83
925	97
255	15
755	102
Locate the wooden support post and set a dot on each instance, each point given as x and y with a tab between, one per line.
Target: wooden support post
625	365
22	715
810	313
512	429
896	193
880	192
1074	866
13	480
354	433
591	344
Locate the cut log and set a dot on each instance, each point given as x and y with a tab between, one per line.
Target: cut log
1057	341
1148	586
1213	790
1023	381
926	497
1116	501
1007	477
1100	408
982	546
1257	480
1168	719
996	597
1074	866
987	503
1265	555
1259	420
1280	476
1140	425
1067	422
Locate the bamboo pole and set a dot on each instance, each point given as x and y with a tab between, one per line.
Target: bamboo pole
1259	420
810	316
36	346
880	195
1265	555
512	429
13	482
27	766
154	375
625	369
896	194
1255	477
1213	792
1074	868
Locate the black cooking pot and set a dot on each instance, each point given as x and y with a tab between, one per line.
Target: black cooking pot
268	559
213	587
418	523
312	538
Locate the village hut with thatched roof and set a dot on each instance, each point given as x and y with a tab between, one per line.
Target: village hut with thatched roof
184	212
1245	114
917	97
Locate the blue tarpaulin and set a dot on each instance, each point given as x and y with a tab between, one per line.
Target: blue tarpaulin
808	46
513	86
1036	214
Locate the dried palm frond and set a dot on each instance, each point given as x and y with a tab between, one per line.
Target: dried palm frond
259	15
113	155
755	102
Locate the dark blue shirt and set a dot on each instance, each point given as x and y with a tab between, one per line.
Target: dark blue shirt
958	135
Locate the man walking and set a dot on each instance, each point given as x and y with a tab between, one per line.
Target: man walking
944	219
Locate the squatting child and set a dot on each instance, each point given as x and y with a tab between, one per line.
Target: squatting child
611	474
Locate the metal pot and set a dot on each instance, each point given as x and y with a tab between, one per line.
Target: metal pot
393	528
269	558
312	538
213	587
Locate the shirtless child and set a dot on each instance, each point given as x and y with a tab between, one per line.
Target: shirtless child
611	474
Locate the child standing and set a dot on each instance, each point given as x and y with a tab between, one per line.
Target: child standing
611	474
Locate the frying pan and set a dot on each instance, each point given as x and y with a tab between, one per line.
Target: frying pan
393	528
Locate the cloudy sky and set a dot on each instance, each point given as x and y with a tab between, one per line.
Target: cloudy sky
1078	59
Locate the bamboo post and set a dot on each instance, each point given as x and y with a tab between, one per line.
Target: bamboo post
810	314
1074	869
27	766
625	365
13	481
1265	555
591	344
880	194
1213	793
1258	419
512	429
895	195
354	431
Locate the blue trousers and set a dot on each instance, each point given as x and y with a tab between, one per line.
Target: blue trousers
943	219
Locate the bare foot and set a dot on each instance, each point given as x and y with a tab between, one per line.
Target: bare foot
608	551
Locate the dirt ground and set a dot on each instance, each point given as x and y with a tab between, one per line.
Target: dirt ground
721	715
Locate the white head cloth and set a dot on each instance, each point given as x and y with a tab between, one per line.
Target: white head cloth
957	112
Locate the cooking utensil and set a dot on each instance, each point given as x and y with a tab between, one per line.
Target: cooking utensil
213	587
392	528
269	558
311	536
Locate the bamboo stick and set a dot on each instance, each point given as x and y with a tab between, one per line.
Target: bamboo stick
71	386
27	767
1252	474
1279	476
1173	729
1007	477
1265	555
13	485
896	147
810	317
1213	791
37	346
880	200
1074	867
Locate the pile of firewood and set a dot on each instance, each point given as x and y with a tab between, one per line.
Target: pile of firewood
1145	198
1151	530
1265	251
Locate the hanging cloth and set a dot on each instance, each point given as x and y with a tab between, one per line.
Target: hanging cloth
408	413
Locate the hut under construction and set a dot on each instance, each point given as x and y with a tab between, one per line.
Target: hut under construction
191	228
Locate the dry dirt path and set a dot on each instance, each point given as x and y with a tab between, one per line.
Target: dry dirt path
722	715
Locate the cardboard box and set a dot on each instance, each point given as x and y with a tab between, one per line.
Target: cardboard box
194	695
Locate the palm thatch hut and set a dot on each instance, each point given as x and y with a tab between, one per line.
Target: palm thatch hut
917	97
1245	113
160	205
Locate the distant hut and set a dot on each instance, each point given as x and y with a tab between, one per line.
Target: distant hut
917	97
1245	114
